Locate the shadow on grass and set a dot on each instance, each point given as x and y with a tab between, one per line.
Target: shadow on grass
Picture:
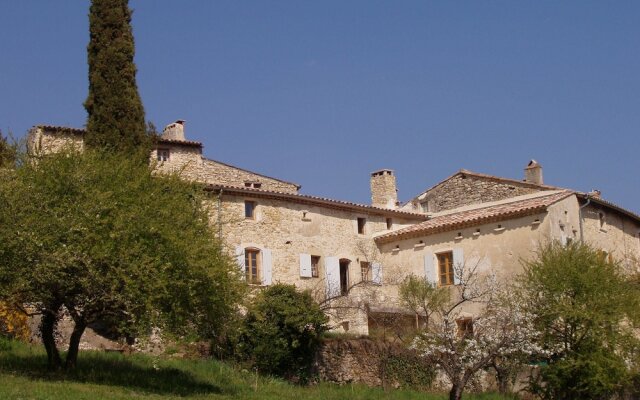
109	369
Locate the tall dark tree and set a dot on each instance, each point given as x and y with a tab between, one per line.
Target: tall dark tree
116	115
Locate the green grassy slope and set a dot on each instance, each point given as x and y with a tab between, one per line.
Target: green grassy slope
23	375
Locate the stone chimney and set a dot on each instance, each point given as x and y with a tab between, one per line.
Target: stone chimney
533	173
383	189
174	131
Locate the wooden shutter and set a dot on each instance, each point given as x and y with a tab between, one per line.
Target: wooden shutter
332	271
376	273
305	265
266	267
458	265
430	272
240	261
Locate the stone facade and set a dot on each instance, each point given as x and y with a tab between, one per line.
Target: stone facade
352	256
465	188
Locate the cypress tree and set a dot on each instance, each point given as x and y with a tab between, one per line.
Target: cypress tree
116	116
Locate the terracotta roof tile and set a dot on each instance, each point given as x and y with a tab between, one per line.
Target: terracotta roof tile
470	217
315	200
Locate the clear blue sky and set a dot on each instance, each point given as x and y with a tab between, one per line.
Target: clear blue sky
322	93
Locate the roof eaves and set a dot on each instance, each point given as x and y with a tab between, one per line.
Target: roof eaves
255	173
609	204
321	201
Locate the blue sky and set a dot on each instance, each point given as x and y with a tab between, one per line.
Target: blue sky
322	93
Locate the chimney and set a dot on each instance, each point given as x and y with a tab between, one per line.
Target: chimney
174	131
383	189
533	173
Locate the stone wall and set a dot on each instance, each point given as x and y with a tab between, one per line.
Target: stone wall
462	190
189	163
288	229
383	189
41	140
365	361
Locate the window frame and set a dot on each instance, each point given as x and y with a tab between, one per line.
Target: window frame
254	205
315	266
248	273
161	156
365	271
445	260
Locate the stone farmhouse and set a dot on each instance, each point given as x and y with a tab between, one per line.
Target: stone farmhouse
353	256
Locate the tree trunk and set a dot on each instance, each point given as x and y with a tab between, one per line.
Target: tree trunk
74	343
456	391
47	330
503	380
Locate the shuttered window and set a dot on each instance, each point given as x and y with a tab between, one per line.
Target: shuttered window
445	268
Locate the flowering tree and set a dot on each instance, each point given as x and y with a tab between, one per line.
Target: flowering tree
462	343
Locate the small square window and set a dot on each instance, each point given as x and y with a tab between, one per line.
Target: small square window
250	209
389	223
315	266
163	154
361	223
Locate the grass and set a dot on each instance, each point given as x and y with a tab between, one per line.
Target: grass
24	375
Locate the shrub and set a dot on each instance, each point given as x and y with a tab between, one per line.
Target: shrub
281	332
13	323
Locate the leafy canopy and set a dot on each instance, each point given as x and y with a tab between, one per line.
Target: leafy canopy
100	234
585	308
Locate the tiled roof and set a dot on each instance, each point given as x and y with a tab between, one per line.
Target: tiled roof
314	200
79	131
471	217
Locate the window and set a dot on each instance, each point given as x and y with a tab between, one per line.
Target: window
602	219
250	209
315	266
344	276
365	271
255	185
389	223
445	268
163	154
465	327
361	223
252	265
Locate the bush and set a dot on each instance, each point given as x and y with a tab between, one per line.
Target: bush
13	323
281	332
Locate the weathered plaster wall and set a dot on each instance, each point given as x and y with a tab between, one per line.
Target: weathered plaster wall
462	190
619	235
188	161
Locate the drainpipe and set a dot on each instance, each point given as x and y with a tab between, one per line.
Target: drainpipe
580	217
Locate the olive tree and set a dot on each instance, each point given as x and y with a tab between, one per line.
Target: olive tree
101	236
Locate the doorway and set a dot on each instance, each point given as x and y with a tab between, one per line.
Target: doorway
344	276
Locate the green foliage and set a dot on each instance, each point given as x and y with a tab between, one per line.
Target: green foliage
115	112
421	297
101	235
281	332
583	305
101	376
409	371
8	152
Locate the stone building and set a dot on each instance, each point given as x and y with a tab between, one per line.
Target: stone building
353	256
